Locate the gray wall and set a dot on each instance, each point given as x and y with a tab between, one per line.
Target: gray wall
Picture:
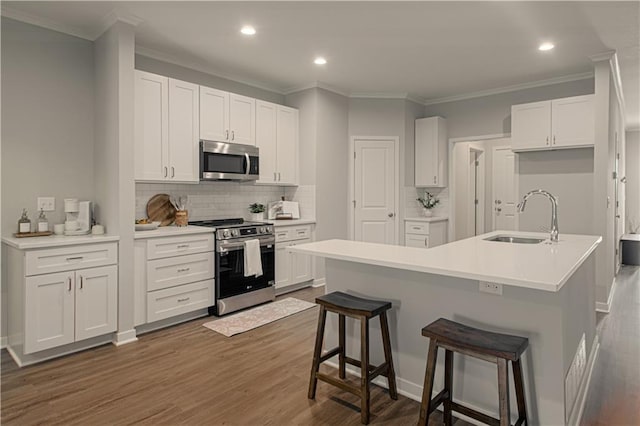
306	102
168	69
632	187
47	117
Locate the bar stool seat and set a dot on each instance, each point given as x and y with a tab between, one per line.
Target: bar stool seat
345	305
492	347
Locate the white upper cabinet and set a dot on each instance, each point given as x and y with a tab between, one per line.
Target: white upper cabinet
555	124
214	114
151	126
431	152
227	117
242	119
166	129
277	139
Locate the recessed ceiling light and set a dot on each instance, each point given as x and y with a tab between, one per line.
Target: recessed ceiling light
546	46
248	30
319	60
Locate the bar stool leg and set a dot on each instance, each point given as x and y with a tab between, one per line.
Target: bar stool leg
317	352
386	343
427	389
517	379
503	392
448	386
364	370
341	343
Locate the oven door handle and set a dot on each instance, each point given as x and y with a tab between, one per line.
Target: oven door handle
241	247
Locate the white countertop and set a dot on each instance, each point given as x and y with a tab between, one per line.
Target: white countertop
426	219
171	231
292	222
57	241
631	237
545	266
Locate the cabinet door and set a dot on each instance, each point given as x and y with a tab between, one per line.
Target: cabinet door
283	265
287	131
531	126
151	126
183	131
266	140
49	311
300	265
242	119
214	114
419	241
572	121
96	301
431	152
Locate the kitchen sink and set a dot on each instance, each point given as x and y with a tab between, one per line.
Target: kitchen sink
516	240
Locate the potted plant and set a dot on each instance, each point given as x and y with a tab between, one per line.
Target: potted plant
428	202
257	211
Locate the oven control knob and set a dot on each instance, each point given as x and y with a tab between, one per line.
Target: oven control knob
263	229
226	233
235	232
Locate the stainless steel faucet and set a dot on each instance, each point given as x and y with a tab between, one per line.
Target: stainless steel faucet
554	210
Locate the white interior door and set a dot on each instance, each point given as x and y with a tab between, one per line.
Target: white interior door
374	191
504	190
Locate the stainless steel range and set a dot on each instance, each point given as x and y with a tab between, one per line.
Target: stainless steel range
234	290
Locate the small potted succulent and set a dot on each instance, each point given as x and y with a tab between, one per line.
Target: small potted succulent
257	211
428	202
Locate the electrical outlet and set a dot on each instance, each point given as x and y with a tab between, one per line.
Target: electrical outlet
487	287
48	204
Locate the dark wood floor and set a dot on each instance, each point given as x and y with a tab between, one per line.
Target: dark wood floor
190	375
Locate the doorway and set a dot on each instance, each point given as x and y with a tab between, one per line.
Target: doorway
375	183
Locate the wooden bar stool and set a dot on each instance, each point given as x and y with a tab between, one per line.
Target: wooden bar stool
363	309
492	347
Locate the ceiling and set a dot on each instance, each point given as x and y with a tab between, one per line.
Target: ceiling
427	50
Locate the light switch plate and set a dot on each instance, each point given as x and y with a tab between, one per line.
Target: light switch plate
488	287
48	204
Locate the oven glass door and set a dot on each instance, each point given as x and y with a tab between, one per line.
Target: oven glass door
230	279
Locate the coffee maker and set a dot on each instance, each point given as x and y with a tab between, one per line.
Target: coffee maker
78	213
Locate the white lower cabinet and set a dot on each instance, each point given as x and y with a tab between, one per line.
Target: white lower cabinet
70	303
425	234
292	268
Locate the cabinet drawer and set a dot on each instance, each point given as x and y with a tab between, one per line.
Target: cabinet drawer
158	248
421	228
167	303
173	271
70	258
292	233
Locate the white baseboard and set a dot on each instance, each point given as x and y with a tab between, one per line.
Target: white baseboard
319	282
606	307
124	337
581	399
3	342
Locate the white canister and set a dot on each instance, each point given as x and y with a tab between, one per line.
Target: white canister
97	230
71	205
58	228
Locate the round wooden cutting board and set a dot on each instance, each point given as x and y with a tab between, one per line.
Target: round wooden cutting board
160	209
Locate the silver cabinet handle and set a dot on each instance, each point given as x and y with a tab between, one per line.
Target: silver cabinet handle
183	246
435	179
233	135
183	269
166	171
417	228
498	201
554	139
173	171
69	259
81	282
547	141
184	300
390	215
275	176
226	134
498	209
69	284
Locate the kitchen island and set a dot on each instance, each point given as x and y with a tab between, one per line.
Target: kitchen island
547	295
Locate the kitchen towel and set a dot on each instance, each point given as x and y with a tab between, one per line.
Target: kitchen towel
252	259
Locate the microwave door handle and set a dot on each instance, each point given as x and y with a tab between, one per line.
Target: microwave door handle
246	156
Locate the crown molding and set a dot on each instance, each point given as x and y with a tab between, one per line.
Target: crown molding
207	69
46	23
117	16
388	95
316	85
603	56
513	88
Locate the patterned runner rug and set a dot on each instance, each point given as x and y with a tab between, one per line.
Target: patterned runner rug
257	317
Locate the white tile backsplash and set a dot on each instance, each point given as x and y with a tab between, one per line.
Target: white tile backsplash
305	195
414	209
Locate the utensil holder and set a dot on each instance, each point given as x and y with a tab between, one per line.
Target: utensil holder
182	218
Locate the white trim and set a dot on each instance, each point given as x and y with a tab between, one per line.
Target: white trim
382	95
319	282
315	85
605	307
124	337
171	321
603	56
512	88
3	342
204	68
351	192
117	16
480	138
581	399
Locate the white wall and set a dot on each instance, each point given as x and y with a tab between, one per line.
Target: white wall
632	187
47	123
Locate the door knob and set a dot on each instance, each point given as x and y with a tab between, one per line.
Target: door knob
390	215
498	209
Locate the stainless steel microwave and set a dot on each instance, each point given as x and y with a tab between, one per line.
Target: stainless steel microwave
228	161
